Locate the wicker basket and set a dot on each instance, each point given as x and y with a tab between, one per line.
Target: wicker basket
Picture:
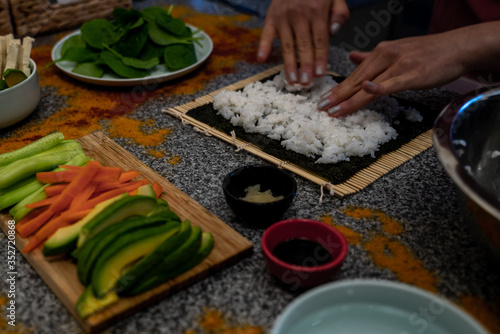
5	24
33	17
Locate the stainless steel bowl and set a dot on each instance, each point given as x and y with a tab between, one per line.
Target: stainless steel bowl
467	142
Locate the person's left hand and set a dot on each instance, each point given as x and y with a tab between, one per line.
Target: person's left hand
302	27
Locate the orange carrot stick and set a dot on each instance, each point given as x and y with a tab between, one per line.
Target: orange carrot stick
83	196
34	224
43	202
52	226
63	200
55	189
157	188
128	175
105	174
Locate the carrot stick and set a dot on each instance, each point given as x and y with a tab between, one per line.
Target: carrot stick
55	189
157	188
105	174
43	202
128	175
63	200
52	226
34	224
103	197
83	196
30	216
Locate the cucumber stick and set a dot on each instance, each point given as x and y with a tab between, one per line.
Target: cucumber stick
20	169
31	149
18	191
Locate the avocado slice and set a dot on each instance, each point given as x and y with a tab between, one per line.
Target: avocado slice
152	281
146	264
116	212
125	251
88	304
145	190
65	239
3	85
13	77
89	254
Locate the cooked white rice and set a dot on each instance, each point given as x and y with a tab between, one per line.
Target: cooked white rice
293	119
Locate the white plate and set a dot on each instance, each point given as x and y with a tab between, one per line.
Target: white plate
159	74
374	307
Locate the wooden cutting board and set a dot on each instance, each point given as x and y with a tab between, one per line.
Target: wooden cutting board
60	275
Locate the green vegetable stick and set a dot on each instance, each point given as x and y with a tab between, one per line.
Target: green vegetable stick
15	195
20	169
19	211
31	149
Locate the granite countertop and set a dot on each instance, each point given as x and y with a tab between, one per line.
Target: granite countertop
408	227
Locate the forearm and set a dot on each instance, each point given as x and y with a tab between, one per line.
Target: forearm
479	46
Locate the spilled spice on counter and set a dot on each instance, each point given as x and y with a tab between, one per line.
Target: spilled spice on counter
390	225
213	322
124	127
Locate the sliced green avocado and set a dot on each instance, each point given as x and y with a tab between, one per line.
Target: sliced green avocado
162	209
146	264
124	252
116	212
152	281
13	77
88	304
65	239
3	85
90	252
146	190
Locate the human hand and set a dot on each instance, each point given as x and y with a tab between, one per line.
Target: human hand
302	27
409	63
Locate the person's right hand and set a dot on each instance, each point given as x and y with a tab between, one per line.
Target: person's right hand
303	28
415	63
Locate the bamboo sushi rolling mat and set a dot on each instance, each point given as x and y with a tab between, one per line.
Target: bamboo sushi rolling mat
358	181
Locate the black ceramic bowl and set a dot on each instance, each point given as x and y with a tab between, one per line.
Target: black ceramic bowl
277	180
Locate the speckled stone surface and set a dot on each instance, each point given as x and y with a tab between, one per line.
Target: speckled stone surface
418	194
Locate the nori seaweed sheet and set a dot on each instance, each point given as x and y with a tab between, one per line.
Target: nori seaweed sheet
336	173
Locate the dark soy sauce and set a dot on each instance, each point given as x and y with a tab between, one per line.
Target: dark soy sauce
302	252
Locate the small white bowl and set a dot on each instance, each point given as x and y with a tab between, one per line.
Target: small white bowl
373	306
17	102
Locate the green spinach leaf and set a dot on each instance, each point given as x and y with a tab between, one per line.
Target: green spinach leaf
100	32
179	56
116	64
93	69
73	41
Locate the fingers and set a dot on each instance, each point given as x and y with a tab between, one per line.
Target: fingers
266	41
320	44
288	52
339	16
357	57
305	49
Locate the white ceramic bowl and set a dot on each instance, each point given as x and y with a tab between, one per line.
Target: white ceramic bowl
17	102
373	306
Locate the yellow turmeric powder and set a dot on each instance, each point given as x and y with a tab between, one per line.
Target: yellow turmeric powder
212	322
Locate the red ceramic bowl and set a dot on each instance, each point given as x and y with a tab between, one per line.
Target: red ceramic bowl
298	276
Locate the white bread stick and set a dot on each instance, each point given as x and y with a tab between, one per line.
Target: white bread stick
24	55
12	53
